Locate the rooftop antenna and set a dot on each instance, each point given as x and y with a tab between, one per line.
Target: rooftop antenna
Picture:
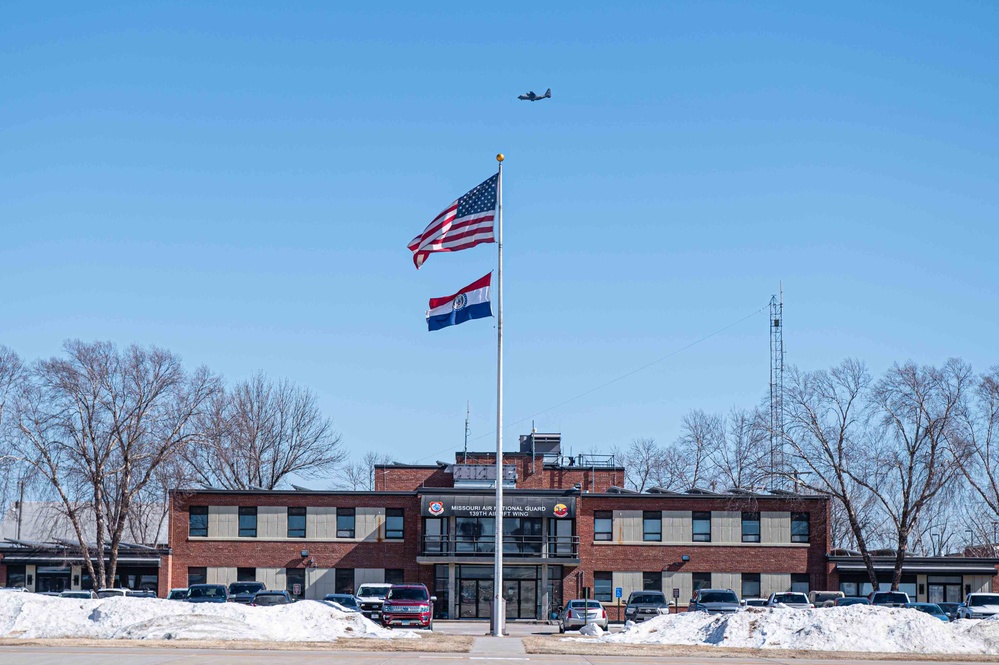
777	461
468	412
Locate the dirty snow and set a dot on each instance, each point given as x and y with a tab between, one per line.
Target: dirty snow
853	628
27	615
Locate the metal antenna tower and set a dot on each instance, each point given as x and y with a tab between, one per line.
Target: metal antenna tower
468	412
777	462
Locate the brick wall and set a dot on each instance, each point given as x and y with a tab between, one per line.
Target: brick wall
531	474
259	553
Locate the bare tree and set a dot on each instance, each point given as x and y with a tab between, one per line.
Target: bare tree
741	457
695	450
360	475
642	461
913	459
98	424
12	375
980	447
823	428
259	433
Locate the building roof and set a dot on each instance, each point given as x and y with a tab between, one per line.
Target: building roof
46	521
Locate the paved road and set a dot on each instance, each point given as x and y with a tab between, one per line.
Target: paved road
514	628
26	655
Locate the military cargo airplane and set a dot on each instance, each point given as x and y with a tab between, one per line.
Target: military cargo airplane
531	97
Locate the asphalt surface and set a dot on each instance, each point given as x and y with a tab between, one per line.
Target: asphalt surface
485	650
16	655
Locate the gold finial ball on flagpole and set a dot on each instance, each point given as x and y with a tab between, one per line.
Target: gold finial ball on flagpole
499	157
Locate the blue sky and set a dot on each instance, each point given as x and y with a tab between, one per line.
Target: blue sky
238	182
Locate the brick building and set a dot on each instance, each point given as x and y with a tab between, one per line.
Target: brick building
568	527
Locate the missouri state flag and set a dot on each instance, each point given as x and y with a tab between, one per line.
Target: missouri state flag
471	302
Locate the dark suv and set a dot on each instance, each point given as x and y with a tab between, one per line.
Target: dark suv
243	592
207	593
408	605
645	605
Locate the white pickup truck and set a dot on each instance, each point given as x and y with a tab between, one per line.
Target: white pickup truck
979	606
370	598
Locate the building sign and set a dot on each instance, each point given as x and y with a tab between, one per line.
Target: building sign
472	505
466	472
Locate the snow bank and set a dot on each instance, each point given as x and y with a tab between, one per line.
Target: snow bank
853	628
592	630
28	615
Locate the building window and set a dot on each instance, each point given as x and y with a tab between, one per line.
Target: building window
16	576
248	522
295	584
344	580
701	523
750	527
393	523
344	522
652	581
602	583
246	574
603	525
750	585
652	526
395	576
198	522
197	576
296	522
800	527
800	583
700	581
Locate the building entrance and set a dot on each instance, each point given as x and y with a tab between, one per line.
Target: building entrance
521	590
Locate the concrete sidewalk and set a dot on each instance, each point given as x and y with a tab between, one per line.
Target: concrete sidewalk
498	646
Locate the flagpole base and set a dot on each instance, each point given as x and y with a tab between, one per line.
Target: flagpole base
498	619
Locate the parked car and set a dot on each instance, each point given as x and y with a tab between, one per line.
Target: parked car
19	589
177	594
792	599
371	597
851	600
889	598
929	608
344	601
950	609
207	593
408	605
243	592
714	601
578	613
79	595
825	598
49	593
118	592
979	606
273	597
754	602
645	605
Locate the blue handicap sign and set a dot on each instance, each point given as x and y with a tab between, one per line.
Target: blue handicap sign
618	592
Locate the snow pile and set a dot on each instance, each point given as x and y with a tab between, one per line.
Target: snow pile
591	630
853	628
28	615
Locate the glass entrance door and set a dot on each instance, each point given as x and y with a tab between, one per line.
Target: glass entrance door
520	590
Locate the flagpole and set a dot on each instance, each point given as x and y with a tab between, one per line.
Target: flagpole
499	607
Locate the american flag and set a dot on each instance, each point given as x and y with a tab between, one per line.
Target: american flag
463	224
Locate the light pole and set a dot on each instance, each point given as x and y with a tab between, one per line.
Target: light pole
936	548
